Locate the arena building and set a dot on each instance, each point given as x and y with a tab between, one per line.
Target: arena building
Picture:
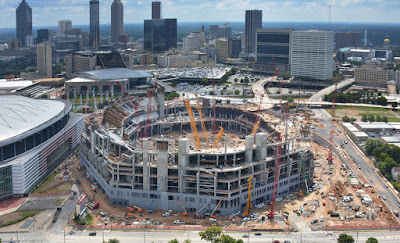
140	150
36	135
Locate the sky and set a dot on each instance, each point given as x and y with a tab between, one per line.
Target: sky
49	12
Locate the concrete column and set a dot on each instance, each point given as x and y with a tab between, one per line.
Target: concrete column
180	185
183	151
162	164
249	140
261	142
146	169
161	102
198	183
215	184
92	141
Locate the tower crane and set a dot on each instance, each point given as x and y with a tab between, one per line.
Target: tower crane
248	204
331	131
203	125
193	124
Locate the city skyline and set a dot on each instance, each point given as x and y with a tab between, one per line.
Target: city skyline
357	11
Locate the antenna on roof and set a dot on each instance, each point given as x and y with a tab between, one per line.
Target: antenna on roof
329	15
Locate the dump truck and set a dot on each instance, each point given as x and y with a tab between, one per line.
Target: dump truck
56	214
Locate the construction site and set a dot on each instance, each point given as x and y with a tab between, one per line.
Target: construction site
205	162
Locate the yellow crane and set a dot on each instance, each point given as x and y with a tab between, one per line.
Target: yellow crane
203	125
255	128
248	205
193	124
219	136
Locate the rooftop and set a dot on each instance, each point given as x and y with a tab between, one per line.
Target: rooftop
20	115
114	73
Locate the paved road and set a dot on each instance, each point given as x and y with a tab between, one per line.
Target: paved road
370	172
318	96
162	236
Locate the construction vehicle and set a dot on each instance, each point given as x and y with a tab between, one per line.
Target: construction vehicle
203	125
248	204
184	209
93	187
219	136
152	200
131	215
94	205
198	214
79	167
133	207
212	214
193	124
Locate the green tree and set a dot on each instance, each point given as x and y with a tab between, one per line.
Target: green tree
237	92
346	119
173	241
345	238
372	240
378	118
187	241
364	118
228	239
352	119
115	240
211	234
204	82
236	80
385	119
371	118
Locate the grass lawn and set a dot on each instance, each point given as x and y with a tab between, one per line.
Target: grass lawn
18	217
358	112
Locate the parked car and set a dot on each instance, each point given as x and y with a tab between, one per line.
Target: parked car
314	221
257	234
178	222
92	234
245	236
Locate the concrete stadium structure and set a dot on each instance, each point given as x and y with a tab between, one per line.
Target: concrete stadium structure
36	135
130	169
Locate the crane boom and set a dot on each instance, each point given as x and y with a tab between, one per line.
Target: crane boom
193	124
248	205
203	125
152	200
212	214
219	136
183	207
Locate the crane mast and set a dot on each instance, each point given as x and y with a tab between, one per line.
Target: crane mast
331	131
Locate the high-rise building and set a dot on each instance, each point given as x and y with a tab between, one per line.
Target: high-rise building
156	10
273	50
253	22
117	20
24	21
225	31
160	34
64	26
42	35
94	23
312	54
222	46
213	35
45	59
79	63
236	47
193	42
348	39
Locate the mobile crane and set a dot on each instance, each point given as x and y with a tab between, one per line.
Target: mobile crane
152	200
248	204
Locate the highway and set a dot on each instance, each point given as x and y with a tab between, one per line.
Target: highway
165	236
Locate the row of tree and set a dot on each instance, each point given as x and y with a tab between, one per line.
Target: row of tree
373	118
386	156
357	98
345	238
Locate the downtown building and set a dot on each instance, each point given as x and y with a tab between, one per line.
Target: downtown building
95	24
312	54
193	42
273	50
46	60
64	27
117	20
160	35
253	22
24	22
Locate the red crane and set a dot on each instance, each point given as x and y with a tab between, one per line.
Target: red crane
150	96
331	131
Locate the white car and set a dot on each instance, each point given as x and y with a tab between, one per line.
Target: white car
213	220
178	222
383	197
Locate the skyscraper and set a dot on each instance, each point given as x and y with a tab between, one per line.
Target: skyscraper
24	21
312	54
45	59
64	26
253	21
156	10
160	34
117	20
94	23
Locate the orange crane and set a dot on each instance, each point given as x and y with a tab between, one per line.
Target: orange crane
331	131
203	125
193	124
219	136
248	204
212	214
184	209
